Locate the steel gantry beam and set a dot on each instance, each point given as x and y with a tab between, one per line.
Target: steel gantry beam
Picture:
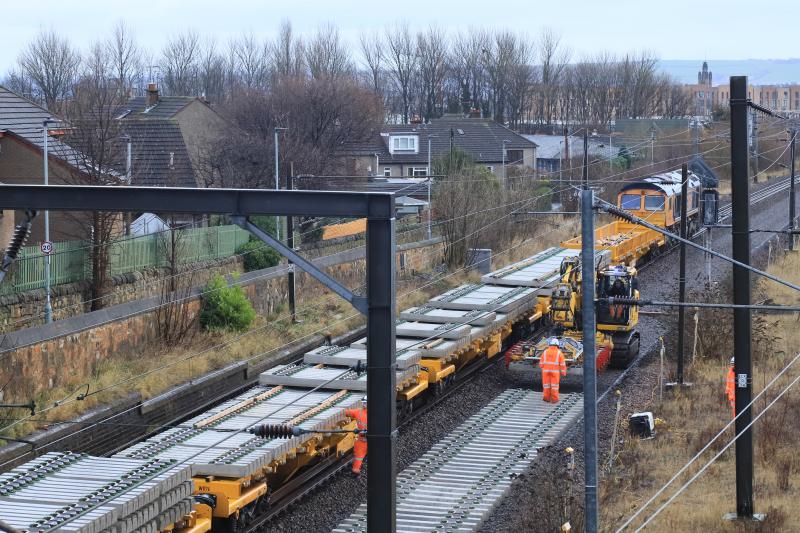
379	210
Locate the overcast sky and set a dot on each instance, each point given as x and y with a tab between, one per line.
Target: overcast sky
674	29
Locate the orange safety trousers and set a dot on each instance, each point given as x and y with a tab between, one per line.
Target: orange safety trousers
730	390
360	446
553	367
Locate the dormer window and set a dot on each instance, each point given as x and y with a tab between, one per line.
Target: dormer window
403	143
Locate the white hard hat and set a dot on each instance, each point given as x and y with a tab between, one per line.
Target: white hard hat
364	399
553	342
732	358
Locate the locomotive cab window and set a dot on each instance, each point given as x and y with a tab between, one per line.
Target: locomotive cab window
654	202
676	206
631	201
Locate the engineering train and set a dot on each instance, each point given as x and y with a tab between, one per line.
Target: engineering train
507	313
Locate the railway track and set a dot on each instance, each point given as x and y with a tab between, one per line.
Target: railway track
456	484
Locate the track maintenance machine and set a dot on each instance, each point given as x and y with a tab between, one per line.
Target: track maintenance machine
617	340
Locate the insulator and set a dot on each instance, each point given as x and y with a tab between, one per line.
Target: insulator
21	234
274	431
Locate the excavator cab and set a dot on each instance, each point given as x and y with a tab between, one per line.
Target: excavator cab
619	320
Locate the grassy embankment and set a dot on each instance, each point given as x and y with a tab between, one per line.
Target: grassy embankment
692	416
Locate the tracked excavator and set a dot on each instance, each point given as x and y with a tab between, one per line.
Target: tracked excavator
617	340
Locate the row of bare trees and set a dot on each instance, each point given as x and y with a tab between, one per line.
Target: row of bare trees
508	76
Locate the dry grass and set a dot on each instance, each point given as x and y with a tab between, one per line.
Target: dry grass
693	416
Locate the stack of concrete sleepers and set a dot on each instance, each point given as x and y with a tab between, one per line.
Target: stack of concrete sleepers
428	348
435	315
510	301
346	356
327	377
214	445
540	270
84	494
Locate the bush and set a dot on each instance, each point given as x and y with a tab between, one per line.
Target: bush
225	308
257	255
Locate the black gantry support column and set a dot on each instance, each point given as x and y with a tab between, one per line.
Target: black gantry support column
589	356
741	296
290	244
682	268
381	371
792	201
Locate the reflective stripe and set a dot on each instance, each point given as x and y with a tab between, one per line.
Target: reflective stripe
550	371
546	385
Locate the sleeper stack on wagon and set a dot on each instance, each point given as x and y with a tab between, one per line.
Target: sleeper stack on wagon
83	494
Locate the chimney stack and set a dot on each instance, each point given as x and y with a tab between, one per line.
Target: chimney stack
152	94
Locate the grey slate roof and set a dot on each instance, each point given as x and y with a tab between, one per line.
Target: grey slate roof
23	118
154	142
481	138
552	146
166	106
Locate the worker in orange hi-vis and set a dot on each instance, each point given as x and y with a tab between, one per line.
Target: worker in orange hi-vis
553	367
730	388
360	447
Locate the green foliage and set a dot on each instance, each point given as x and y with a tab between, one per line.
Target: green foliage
266	223
626	157
257	255
225	308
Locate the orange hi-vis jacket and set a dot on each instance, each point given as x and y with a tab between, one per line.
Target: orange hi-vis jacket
730	385
360	416
552	361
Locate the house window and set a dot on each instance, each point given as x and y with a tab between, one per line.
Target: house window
387	171
403	143
417	171
490	168
514	157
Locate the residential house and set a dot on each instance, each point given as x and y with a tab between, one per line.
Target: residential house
551	155
21	161
169	137
6	228
402	149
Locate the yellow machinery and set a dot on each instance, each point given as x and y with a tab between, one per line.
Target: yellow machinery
617	340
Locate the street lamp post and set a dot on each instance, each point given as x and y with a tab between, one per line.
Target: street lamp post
48	306
430	235
505	141
277	179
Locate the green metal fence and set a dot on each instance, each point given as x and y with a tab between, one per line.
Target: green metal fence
71	260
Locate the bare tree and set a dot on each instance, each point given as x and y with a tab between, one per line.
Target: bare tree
503	57
432	51
250	61
212	72
51	63
173	316
372	50
467	67
326	55
96	151
125	57
179	63
287	53
402	60
553	61
469	188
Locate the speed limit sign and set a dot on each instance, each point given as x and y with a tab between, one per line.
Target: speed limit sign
47	247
